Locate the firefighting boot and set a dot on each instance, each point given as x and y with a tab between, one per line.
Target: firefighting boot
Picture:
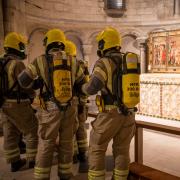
15	166
83	162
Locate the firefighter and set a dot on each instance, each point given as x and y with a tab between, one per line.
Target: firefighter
57	74
81	134
80	141
17	115
112	123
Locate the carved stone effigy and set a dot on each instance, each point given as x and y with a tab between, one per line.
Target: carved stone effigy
160	96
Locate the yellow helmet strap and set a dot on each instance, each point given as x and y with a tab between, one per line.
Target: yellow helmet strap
100	53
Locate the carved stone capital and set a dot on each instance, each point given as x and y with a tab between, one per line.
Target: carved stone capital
142	41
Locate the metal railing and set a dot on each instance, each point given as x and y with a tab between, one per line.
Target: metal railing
140	125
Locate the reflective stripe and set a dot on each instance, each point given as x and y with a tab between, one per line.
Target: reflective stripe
79	73
120	174
41	68
82	143
32	70
12	156
41	176
31	150
73	69
31	153
101	72
65	168
96	175
65	171
75	147
87	78
6	152
100	177
39	170
83	146
109	71
11	72
110	107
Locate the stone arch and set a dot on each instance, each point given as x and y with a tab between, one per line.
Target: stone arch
35	40
158	29
74	36
93	53
36	30
129	41
92	36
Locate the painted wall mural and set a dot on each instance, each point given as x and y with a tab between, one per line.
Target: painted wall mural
164	51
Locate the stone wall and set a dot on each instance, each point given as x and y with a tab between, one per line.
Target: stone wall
1	28
93	10
14	16
82	20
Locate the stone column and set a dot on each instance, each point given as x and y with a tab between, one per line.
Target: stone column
87	51
1	28
143	59
176	8
14	16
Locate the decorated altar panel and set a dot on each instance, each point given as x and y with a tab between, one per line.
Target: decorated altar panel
160	95
164	51
160	87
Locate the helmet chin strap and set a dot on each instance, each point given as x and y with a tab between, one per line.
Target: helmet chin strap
100	53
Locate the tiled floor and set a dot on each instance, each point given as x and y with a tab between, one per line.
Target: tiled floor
161	151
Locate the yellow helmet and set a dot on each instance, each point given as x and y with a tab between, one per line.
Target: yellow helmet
70	48
15	41
54	35
108	38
